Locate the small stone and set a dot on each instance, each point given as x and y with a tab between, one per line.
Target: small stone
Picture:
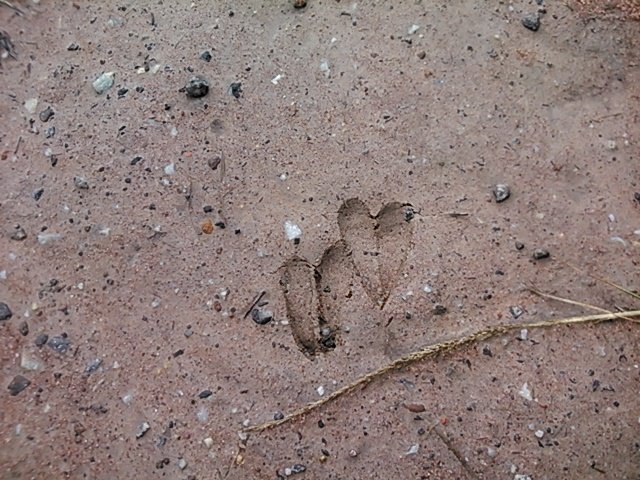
46	114
292	231
19	234
415	407
207	226
278	415
214	162
516	311
525	392
122	92
320	390
18	384
37	195
104	82
540	254
81	183
539	433
299	3
413	449
439	309
353	453
182	464
531	21
524	334
5	312
261	317
421	54
23	328
207	209
197	87
93	366
143	428
208	442
29	362
501	192
50	132
205	394
519	245
236	89
206	56
298	468
46	238
59	343
73	47
41	340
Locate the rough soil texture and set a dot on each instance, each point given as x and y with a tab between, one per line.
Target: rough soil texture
138	260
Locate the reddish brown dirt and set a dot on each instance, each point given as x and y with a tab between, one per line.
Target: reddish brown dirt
153	308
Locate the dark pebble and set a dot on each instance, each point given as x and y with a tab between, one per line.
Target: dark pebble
540	253
421	54
207	209
214	162
136	160
93	366
531	21
220	225
81	183
73	47
46	114
409	214
19	234
41	340
23	328
206	56
261	317
278	415
439	309
487	351
298	468
5	312
519	245
50	132
636	197
18	384
236	89
37	195
60	343
501	192
299	3
122	92
205	394
197	87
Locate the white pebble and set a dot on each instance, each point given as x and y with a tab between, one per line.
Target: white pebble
427	289
182	464
127	398
320	390
413	29
539	433
104	82
31	105
413	449
170	169
276	79
524	334
203	414
45	238
525	392
208	442
292	231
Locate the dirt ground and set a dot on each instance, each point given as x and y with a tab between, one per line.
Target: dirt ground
344	163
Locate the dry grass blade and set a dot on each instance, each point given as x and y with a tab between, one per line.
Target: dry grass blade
438	348
604	280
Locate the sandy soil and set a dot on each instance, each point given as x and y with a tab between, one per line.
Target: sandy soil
139	225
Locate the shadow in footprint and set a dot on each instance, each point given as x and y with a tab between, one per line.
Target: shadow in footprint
379	244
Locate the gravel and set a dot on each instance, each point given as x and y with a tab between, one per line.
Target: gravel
23	328
531	21
261	317
540	254
501	192
104	82
206	56
5	312
60	343
18	384
143	428
41	340
47	114
81	183
197	87
19	234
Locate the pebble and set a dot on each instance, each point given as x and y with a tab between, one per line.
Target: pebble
93	366
18	384
525	392
5	312
46	114
519	245
59	343
516	311
19	234
439	309
41	340
236	89
540	254
298	468
292	231
415	407
197	87
23	328
50	132
81	183
214	162
29	362
299	3
531	21
208	442
143	428
45	238
104	82
182	464
421	54
501	192
278	415
205	394
37	195
261	317
413	449
206	56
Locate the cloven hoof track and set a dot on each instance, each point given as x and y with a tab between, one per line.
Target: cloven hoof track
373	248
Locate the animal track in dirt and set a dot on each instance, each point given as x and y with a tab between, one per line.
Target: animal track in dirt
372	248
